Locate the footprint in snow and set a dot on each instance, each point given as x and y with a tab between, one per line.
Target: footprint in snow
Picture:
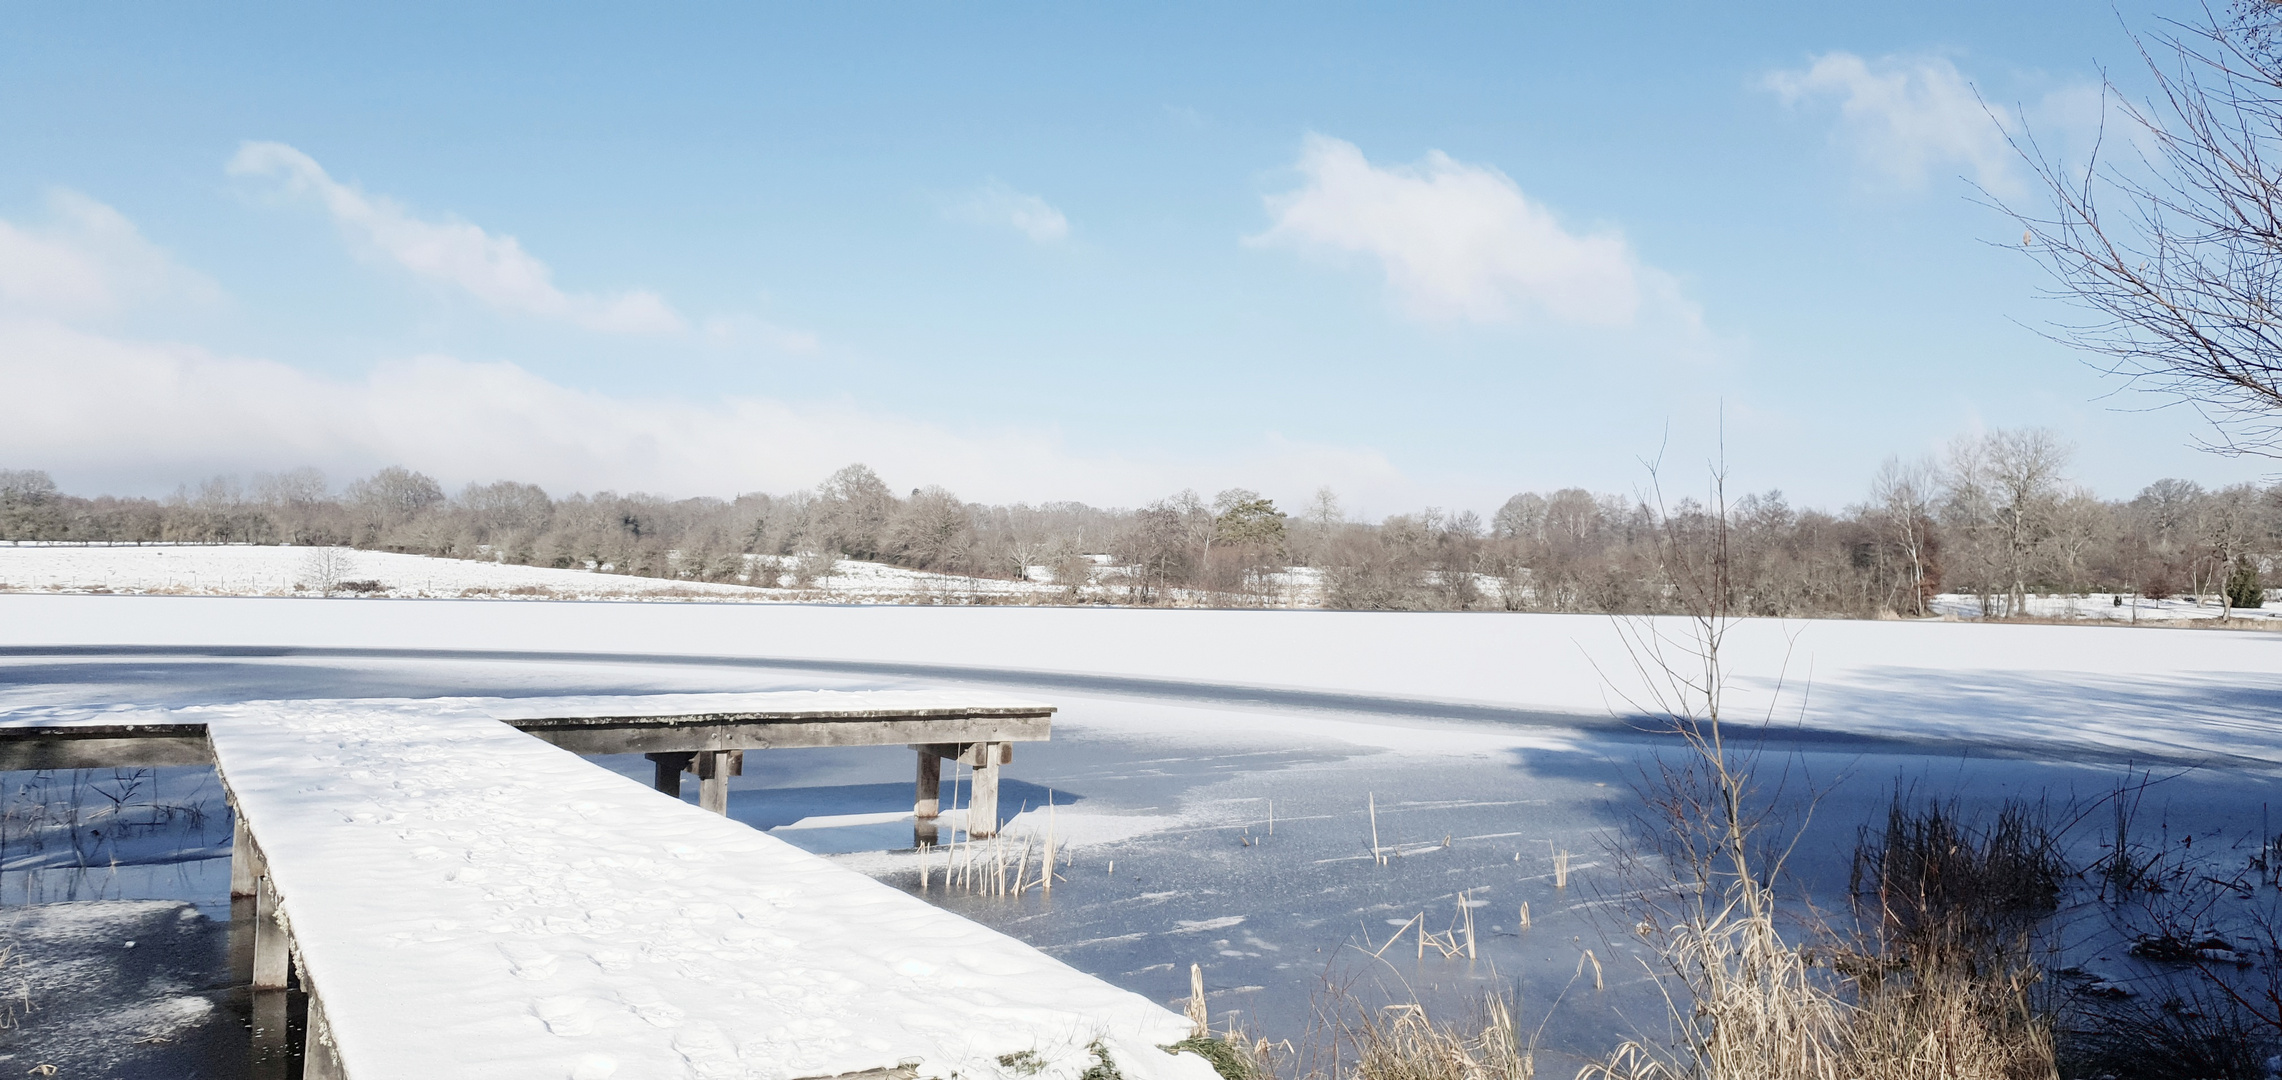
529	961
566	1015
651	1006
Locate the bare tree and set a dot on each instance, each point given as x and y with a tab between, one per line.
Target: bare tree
1903	494
2226	524
1522	516
932	531
1314	526
325	568
388	500
2080	524
855	508
2173	249
2002	486
1155	550
28	505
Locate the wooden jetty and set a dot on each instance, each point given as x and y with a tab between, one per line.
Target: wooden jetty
710	742
447	892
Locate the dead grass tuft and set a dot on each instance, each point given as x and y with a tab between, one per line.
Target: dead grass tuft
1401	1042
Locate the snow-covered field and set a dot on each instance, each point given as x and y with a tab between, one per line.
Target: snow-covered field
2111	607
250	570
1487	743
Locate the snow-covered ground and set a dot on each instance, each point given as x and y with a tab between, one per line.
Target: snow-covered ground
1487	743
2112	607
262	570
251	570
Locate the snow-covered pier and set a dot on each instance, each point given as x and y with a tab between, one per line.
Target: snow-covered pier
706	735
709	735
458	898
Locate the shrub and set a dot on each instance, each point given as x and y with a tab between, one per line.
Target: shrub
2244	589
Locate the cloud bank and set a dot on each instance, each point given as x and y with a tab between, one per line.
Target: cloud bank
109	413
1906	118
141	416
89	261
493	269
1459	242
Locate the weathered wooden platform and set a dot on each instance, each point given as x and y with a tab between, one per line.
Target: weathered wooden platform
458	898
704	734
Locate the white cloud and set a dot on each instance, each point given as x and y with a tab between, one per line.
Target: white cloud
89	261
107	414
996	204
493	269
1906	117
1461	242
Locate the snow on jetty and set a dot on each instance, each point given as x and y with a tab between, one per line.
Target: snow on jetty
466	900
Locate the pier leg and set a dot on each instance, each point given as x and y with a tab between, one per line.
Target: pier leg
242	871
927	805
669	768
271	1058
245	878
713	780
982	801
272	953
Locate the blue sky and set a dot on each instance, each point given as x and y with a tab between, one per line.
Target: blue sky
1422	255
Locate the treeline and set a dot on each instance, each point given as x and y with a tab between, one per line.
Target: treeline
1995	518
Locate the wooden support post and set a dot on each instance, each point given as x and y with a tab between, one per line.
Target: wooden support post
272	951
713	780
242	941
271	1057
982	799
927	804
246	871
669	768
242	870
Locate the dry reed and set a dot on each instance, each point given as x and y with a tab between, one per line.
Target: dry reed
1401	1042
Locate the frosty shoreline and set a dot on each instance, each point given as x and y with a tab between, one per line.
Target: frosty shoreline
281	570
264	570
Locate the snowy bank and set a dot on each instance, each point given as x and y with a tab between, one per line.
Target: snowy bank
266	570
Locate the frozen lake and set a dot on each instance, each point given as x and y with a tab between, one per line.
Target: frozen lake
1164	789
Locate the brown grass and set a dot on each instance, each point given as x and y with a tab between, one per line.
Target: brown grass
1401	1042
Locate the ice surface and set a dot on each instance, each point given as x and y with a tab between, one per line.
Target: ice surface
116	990
2179	695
